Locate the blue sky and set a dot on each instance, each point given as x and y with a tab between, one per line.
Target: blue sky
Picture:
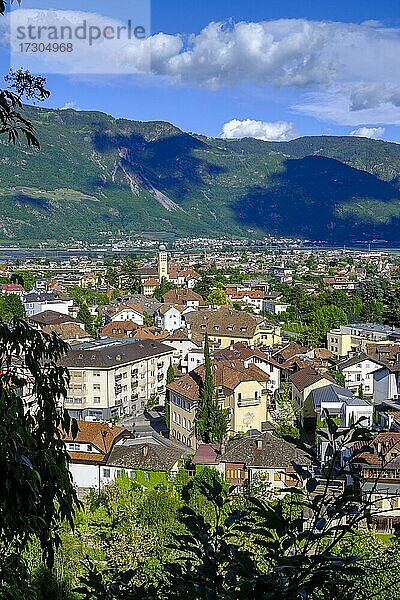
290	69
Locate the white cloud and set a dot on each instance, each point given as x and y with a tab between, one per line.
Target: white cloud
271	131
375	133
340	69
70	104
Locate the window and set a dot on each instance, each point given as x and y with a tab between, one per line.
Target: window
189	424
146	475
96	399
106	473
96	374
96	386
277	476
89	447
132	474
184	439
118	472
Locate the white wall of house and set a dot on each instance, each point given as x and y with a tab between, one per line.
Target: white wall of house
128	314
85	476
273	372
60	306
385	386
361	374
170	320
351	414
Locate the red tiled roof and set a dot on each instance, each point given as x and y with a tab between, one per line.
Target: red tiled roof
206	454
100	435
308	376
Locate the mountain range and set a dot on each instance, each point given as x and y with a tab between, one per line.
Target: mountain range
95	174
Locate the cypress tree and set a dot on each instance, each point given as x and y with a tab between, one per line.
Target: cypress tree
212	422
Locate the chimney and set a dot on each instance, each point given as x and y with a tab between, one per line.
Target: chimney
145	450
259	444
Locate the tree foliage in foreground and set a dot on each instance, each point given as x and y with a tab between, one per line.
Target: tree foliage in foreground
36	492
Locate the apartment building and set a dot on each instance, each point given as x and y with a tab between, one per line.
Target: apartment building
354	338
115	377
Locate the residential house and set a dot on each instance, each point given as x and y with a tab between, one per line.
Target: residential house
183	345
276	308
358	371
90	449
72	333
119	329
51	317
146	463
339	403
187	297
379	480
304	382
115	377
226	326
133	313
241	389
255	356
253	298
149	286
341	283
262	459
170	316
35	303
12	288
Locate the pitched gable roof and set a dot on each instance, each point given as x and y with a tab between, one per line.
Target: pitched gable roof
308	376
148	457
100	435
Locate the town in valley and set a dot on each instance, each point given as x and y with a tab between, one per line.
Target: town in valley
292	336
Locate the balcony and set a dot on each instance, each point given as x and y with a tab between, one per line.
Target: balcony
118	377
249	402
160	377
160	365
118	389
135	396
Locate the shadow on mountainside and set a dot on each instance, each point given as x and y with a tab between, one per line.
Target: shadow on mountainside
304	198
168	163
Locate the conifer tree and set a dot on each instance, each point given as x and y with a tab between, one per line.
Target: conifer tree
212	421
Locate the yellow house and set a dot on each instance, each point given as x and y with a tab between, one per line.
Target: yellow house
242	390
303	383
226	327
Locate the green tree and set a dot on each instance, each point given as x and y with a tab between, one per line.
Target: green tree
287	413
130	275
21	86
217	297
327	318
28	277
148	320
338	377
11	307
212	421
87	319
36	493
164	287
